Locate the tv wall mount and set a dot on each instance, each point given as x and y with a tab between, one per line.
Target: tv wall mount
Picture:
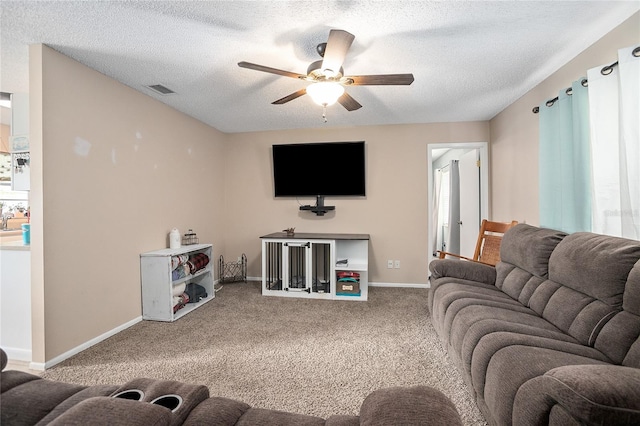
319	209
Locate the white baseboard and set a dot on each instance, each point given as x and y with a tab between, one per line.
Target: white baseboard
17	354
404	285
39	366
400	285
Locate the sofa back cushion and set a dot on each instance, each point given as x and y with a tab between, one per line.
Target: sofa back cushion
631	296
524	254
620	337
596	265
587	278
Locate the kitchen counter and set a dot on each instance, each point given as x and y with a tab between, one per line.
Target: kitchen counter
12	240
14	245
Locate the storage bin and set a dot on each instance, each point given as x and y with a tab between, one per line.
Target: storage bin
348	286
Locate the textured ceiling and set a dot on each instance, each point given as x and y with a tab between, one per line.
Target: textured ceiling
470	59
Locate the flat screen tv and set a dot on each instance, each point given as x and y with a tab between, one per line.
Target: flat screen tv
319	169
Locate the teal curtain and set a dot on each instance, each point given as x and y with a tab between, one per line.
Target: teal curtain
564	162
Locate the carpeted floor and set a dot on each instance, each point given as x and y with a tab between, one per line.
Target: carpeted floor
315	357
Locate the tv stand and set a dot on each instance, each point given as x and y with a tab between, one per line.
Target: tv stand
315	266
319	209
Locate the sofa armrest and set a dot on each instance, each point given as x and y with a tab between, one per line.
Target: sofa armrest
107	411
591	394
465	270
414	405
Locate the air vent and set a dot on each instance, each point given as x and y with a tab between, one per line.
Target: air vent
160	89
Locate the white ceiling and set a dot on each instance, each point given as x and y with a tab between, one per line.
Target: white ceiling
470	59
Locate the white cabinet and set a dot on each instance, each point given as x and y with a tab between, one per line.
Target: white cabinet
321	266
168	274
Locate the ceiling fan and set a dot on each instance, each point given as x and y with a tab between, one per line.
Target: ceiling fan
327	75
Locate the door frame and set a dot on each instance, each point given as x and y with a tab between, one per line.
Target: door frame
483	148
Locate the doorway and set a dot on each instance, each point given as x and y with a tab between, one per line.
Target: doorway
472	202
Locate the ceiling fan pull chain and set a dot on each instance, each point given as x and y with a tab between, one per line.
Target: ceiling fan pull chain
324	112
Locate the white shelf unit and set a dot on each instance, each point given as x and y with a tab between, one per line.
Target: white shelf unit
158	285
304	265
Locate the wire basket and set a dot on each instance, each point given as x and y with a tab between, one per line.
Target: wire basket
232	271
189	238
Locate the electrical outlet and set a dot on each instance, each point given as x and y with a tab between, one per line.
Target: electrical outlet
396	264
389	264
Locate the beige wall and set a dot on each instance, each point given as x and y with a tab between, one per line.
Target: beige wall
114	170
394	211
514	132
119	170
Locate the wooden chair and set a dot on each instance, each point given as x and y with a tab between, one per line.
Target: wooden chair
488	245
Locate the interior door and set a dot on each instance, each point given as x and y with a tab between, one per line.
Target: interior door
469	166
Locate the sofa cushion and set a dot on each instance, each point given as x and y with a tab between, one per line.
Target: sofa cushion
514	365
462	269
587	277
524	253
451	292
631	296
517	283
342	420
32	399
186	396
490	346
595	265
77	398
594	394
417	405
617	337
482	327
264	417
435	287
620	338
529	248
13	378
225	411
464	312
573	312
632	359
106	411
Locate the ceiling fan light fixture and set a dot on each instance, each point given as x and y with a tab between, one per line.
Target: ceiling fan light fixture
325	93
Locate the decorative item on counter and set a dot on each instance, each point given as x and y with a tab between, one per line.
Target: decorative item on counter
174	239
26	234
289	231
190	238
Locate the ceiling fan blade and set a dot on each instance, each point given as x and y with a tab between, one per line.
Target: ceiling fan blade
348	102
382	79
262	68
290	97
338	44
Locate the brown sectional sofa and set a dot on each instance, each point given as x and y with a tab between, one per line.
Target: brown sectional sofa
27	399
551	335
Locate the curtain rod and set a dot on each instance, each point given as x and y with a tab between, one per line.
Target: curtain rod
606	70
